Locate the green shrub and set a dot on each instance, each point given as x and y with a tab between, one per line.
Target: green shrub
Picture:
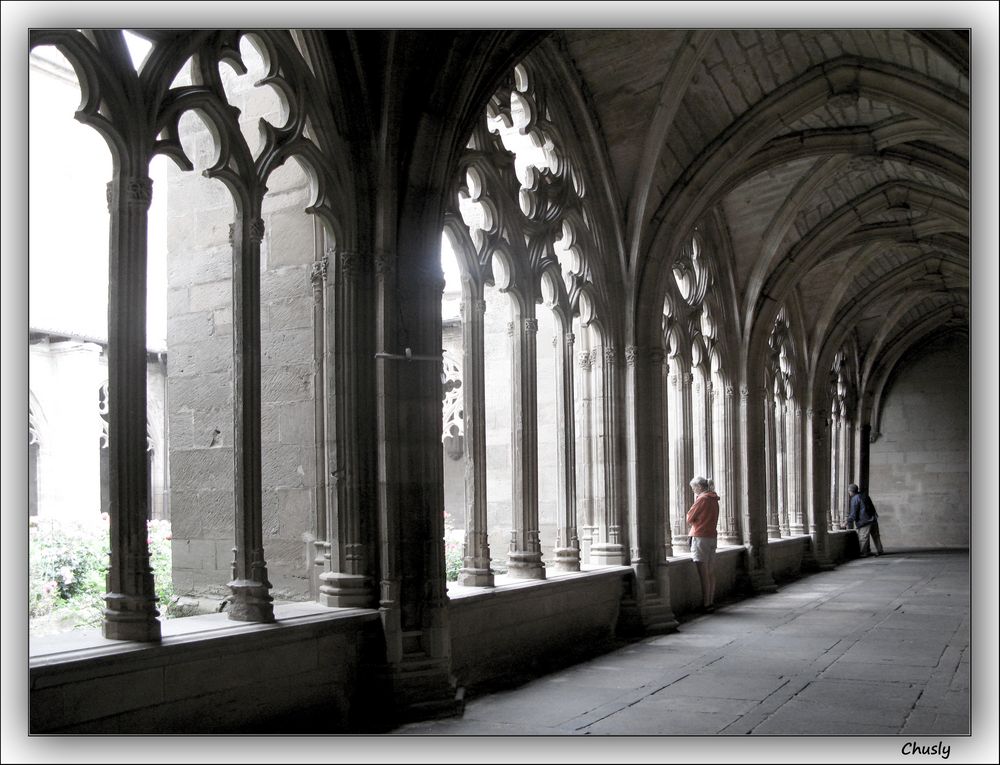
453	550
68	565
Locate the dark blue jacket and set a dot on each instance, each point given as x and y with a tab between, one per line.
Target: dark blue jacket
862	511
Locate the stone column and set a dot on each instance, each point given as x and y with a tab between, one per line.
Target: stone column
682	458
796	502
783	459
250	600
753	465
818	484
386	391
610	550
661	377
585	453
771	477
836	468
131	612
321	521
567	549
476	571
726	462
639	558
347	584
524	559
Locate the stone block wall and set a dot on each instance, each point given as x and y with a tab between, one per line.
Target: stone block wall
307	672
200	384
919	476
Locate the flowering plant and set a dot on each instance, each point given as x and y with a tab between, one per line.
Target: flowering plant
68	564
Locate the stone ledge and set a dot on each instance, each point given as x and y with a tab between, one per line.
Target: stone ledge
84	645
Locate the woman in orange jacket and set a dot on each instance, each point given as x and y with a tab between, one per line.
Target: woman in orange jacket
703	517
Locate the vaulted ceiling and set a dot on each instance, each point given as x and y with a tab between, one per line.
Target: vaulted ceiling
838	162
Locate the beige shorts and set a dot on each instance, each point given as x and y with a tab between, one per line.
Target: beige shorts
703	549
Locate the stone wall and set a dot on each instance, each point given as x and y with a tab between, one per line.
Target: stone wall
919	477
200	385
219	676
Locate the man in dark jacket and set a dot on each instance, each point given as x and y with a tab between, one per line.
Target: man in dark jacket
865	520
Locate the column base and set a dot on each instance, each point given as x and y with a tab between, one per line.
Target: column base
338	590
523	564
608	554
773	532
730	540
566	559
140	625
250	602
682	544
798	530
475	577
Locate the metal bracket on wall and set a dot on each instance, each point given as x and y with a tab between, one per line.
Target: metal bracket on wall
408	355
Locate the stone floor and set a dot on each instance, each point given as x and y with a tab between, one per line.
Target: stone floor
876	646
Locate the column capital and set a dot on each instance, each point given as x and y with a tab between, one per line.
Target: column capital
385	265
631	353
610	355
136	191
319	268
479	306
510	329
531	324
583	359
349	262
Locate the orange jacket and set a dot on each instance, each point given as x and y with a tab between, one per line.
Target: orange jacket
704	515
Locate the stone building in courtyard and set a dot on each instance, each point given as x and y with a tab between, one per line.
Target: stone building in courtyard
742	254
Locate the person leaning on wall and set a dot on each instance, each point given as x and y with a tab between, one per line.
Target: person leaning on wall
864	518
703	517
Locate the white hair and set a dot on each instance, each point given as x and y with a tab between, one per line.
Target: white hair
701	484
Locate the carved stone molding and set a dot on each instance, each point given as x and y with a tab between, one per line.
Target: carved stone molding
594	357
480	306
349	266
319	269
744	392
730	391
583	359
610	355
631	353
531	325
257	230
384	266
510	329
570	338
687	378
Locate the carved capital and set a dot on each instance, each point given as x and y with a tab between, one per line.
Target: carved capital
570	339
610	355
136	191
348	266
479	305
730	391
744	392
256	230
510	329
531	325
594	357
631	352
384	266
555	339
686	379
318	274
583	360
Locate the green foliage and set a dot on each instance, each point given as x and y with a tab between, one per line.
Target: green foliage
68	564
453	550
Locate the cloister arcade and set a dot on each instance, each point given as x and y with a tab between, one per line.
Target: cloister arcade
680	252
